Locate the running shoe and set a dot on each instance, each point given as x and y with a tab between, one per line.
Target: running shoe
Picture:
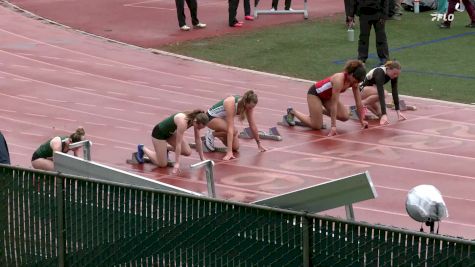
290	118
209	140
139	155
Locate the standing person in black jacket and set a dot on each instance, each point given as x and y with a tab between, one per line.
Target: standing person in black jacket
180	11
4	155
372	13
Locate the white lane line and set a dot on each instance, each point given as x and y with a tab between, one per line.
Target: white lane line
203	90
28	96
56	100
111	108
201	77
104	64
36	115
127	128
150	97
130	67
139	82
20	80
65	119
172	86
124	148
94	123
46	69
48	57
77	73
116	93
295	102
84	89
32	134
266	85
85	104
7	110
25	54
180	102
233	81
146	113
75	60
19	66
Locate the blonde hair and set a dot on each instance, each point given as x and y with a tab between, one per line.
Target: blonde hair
392	64
77	135
198	115
249	97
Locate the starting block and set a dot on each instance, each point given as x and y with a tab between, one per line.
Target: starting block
273	134
206	149
133	160
402	106
354	115
297	123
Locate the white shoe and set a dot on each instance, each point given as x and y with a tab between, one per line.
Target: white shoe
290	9
199	26
185	28
272	9
209	140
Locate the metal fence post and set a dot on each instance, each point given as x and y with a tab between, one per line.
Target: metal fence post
307	248
208	164
60	229
350	214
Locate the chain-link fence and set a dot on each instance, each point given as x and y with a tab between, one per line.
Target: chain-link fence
49	219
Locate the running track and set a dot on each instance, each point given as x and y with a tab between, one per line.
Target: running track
53	80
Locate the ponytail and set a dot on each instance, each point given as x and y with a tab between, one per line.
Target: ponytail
197	115
249	97
78	135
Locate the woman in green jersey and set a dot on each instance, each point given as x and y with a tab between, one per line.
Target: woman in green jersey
168	136
43	156
221	120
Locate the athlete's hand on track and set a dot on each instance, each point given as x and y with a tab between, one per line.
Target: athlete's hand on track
400	116
332	131
364	125
229	156
176	168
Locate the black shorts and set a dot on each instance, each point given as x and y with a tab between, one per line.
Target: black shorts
160	135
312	90
35	156
209	116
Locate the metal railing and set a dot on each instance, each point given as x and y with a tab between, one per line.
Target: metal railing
48	219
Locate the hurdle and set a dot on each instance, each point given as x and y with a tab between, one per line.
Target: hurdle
71	165
303	11
273	134
86	148
341	192
209	165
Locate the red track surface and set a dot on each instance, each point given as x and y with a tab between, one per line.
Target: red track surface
53	80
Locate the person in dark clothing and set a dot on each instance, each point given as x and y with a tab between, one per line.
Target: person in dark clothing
373	93
372	13
276	2
232	11
4	154
451	9
180	11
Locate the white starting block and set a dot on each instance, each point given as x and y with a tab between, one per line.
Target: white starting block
354	115
303	11
297	123
402	106
206	149
273	134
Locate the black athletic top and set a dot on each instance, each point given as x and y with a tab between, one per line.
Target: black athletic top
378	77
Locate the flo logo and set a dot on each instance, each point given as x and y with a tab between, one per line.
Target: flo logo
443	17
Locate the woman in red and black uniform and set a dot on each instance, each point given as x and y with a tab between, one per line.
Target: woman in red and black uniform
324	98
